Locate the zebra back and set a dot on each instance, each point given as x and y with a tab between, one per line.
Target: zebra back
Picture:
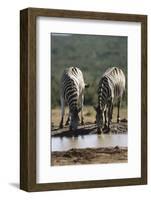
111	85
72	85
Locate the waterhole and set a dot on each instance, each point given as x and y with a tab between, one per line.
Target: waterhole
89	141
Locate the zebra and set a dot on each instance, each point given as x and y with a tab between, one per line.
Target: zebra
110	89
72	91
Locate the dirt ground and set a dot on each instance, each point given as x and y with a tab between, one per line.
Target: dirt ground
90	156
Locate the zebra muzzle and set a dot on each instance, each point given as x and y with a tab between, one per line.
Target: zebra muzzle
99	130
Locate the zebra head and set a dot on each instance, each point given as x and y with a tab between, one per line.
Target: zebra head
74	122
99	118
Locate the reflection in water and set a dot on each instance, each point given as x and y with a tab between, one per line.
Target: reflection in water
92	141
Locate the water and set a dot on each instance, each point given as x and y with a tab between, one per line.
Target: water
92	141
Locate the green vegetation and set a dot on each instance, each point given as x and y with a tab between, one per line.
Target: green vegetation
92	54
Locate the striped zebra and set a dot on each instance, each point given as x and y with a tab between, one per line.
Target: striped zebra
72	92
110	89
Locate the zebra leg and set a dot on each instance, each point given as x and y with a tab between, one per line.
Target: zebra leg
111	114
105	122
118	110
109	119
82	100
62	112
68	120
110	109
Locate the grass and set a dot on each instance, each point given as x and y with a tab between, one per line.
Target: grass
89	115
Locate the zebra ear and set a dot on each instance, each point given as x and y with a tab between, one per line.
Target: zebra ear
87	85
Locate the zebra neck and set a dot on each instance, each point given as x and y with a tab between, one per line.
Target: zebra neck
73	107
101	101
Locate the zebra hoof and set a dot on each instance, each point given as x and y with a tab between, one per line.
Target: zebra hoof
118	120
107	130
82	123
61	126
99	131
104	128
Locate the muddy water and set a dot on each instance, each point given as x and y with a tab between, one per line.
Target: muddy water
89	141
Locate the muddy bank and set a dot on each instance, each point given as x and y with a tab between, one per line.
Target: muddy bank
89	128
90	156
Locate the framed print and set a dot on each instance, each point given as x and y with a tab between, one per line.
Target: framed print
83	99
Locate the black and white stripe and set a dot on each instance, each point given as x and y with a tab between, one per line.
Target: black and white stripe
72	92
110	89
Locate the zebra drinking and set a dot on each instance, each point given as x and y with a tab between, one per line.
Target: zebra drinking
110	89
72	91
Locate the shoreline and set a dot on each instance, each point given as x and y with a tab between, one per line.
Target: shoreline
102	155
89	128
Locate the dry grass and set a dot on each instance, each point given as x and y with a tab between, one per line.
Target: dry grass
89	115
